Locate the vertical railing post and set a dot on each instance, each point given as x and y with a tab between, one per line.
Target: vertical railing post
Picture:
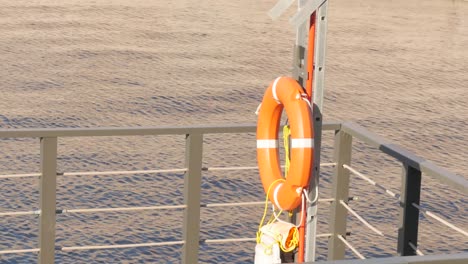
409	215
338	214
320	48
192	186
47	200
312	209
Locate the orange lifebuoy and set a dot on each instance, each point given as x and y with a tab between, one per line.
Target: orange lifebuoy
285	93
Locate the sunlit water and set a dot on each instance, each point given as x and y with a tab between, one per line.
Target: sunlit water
397	67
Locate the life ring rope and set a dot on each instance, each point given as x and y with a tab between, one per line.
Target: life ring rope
276	230
277	235
286	137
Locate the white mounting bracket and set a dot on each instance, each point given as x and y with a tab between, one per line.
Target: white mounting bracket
302	15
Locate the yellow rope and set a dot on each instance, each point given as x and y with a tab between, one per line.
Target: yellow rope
287	158
266	209
287	162
294	241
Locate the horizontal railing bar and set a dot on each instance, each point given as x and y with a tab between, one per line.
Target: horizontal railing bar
441	220
378	232
363	134
456	258
20	175
98	173
123	246
137	131
331	125
324	235
125	131
20	213
331	164
90	173
18	251
228	240
232	204
418	252
328	200
253	239
445	176
252	203
407	157
122	209
351	247
140	208
253	167
163	243
362	176
228	168
95	173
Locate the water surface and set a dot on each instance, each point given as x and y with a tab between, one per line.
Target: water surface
397	67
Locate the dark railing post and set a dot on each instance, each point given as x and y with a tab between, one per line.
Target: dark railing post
338	215
409	215
192	185
47	200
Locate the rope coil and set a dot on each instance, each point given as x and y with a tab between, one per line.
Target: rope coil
287	242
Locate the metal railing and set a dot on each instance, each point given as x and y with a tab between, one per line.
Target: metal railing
409	197
344	132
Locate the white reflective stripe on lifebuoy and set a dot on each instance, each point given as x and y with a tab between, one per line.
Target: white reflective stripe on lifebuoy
267	143
275	96
275	195
302	143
